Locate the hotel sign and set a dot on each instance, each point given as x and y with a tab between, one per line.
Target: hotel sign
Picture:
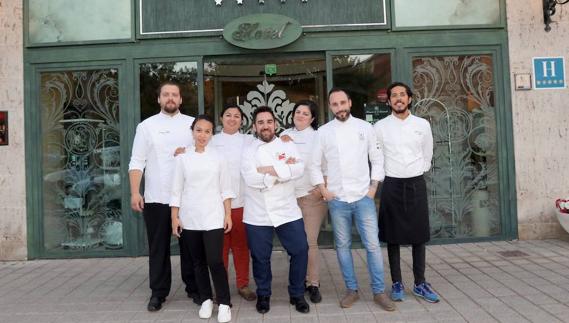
549	73
262	31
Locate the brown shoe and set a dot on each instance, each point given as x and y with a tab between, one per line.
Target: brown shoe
247	293
349	298
382	300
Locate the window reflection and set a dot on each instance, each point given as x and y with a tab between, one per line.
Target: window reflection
421	13
366	78
153	74
72	20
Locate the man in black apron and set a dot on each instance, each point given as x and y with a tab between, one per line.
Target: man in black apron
407	145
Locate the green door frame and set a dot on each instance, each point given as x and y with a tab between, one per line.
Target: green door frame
127	57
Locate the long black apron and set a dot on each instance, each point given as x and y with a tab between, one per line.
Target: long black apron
404	211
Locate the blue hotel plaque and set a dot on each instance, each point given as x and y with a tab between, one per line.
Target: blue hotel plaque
549	73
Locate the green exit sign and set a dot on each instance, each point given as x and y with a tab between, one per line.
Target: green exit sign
271	69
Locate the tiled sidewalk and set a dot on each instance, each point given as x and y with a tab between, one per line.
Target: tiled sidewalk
477	283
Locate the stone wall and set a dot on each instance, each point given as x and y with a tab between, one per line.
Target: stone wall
13	244
541	120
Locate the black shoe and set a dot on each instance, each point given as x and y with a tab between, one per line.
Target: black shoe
195	296
263	304
314	293
300	304
155	303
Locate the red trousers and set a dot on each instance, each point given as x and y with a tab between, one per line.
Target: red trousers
236	241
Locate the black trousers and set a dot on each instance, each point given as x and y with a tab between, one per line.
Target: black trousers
418	251
206	249
159	230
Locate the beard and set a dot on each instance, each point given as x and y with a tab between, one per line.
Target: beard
342	115
399	109
266	135
170	107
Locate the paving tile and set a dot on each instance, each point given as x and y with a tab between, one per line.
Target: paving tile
475	284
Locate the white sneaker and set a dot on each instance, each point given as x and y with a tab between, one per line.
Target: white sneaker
206	309
224	314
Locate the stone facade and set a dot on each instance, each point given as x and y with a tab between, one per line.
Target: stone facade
13	244
541	120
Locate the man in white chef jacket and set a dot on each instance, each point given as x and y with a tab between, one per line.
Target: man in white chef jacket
347	143
269	167
153	149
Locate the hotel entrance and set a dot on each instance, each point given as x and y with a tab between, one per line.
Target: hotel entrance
84	100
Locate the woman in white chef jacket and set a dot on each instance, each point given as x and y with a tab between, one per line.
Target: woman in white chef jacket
201	213
314	208
230	142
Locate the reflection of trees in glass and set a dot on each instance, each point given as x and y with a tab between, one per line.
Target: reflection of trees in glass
362	76
153	74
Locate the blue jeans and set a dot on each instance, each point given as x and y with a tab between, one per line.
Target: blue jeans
363	212
293	239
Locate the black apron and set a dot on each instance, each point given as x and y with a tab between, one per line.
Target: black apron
404	211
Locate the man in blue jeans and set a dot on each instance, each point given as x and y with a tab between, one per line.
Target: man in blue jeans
346	144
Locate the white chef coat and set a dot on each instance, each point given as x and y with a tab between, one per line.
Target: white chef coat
407	145
200	185
347	146
304	141
153	149
231	146
269	200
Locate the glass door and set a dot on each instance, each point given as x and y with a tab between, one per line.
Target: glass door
457	95
80	162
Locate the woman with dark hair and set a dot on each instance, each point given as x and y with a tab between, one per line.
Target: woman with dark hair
230	143
201	214
313	207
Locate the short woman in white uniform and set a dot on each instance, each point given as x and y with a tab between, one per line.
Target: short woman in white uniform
201	213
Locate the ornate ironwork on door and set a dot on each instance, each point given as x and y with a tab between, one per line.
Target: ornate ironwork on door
456	95
81	160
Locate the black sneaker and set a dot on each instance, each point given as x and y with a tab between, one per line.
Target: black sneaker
155	303
263	304
314	294
300	304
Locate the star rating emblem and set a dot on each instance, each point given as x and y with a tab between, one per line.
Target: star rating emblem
240	2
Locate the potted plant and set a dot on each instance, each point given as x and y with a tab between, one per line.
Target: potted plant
563	212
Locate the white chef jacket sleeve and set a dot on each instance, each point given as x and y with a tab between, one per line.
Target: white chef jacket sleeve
139	149
316	161
375	156
177	182
427	145
249	172
227	191
379	140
